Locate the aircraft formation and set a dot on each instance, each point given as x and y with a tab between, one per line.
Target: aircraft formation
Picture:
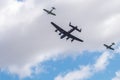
68	34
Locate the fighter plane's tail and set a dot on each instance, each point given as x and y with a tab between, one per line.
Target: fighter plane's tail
75	27
53	8
113	43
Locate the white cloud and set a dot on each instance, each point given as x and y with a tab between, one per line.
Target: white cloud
87	71
20	69
27	37
102	61
117	77
81	74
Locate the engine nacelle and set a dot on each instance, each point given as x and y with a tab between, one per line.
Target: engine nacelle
56	30
60	33
67	38
72	40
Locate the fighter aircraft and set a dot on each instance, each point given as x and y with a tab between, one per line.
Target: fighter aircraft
50	12
109	46
67	34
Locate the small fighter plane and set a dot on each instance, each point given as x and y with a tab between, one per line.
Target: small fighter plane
109	46
50	12
67	34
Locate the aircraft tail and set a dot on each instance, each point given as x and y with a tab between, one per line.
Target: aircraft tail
69	23
75	27
113	43
79	30
53	8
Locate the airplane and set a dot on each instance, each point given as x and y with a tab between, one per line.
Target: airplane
109	46
64	33
50	12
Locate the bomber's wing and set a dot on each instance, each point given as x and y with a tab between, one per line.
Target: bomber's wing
58	28
74	38
46	10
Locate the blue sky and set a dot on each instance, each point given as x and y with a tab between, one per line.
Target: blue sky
52	68
31	50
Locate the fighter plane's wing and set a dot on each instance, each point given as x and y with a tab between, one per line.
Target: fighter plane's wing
46	10
65	33
53	14
111	48
106	45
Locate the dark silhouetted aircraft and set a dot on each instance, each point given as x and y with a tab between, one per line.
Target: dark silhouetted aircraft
109	46
50	12
64	33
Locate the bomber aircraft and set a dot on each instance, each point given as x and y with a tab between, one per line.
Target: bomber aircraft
109	46
67	34
50	11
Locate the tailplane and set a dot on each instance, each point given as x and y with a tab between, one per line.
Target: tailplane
53	8
75	27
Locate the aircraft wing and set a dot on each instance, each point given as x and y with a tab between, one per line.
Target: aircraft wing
65	33
46	10
58	28
111	48
75	38
53	14
106	45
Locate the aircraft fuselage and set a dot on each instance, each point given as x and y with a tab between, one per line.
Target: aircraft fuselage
70	31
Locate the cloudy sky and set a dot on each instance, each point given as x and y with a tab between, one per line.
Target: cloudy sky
31	50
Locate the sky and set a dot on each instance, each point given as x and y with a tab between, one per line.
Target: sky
31	50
